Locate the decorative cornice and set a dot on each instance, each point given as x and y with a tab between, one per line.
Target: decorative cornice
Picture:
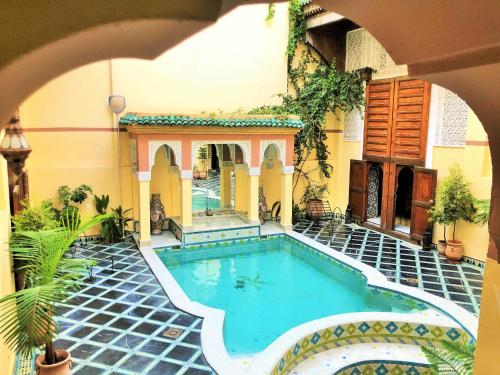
288	169
186	174
143	175
254	171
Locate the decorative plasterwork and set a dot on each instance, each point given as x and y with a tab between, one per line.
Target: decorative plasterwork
143	175
133	155
186	174
280	145
174	145
363	50
254	171
450	113
244	145
288	169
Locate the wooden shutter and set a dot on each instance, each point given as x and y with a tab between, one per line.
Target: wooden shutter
396	121
358	181
378	118
410	121
424	193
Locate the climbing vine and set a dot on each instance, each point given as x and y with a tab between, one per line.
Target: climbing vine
316	88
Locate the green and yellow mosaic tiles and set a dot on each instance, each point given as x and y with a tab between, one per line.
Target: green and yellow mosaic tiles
365	332
386	368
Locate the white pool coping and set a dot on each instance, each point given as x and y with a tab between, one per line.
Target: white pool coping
212	340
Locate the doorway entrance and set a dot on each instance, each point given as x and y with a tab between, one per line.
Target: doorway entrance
374	199
403	199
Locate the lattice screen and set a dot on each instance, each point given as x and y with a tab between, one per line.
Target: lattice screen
363	50
451	118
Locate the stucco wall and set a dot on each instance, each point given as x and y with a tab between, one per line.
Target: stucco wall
239	62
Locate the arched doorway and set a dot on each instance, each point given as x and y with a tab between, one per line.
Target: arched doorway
270	182
403	200
165	181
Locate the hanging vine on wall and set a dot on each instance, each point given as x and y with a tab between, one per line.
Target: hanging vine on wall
315	89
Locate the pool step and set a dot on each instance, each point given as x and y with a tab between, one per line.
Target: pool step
335	361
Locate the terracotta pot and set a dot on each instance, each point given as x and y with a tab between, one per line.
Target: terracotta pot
454	251
441	247
315	209
196	175
203	175
63	367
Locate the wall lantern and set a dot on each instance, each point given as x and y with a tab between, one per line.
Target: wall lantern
15	147
117	103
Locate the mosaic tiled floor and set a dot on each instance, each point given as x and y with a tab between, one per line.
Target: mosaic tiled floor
401	263
122	322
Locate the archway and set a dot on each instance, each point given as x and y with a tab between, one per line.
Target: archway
165	181
403	200
270	181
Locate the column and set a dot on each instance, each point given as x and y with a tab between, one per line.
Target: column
240	188
253	194
144	179
225	184
186	198
286	196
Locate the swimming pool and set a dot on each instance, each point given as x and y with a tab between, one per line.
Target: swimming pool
199	201
268	286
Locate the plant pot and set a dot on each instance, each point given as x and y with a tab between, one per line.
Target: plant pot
454	251
63	367
196	175
203	175
315	209
441	247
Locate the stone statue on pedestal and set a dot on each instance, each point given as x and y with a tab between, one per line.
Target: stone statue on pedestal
157	213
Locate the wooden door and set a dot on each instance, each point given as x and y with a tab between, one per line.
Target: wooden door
424	193
358	189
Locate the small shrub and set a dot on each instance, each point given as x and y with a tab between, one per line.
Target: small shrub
35	217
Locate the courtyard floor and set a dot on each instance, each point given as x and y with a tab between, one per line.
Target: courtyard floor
122	322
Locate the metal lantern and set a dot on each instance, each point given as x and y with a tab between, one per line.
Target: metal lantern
15	147
348	215
427	239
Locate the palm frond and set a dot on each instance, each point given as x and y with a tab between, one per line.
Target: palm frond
451	358
26	320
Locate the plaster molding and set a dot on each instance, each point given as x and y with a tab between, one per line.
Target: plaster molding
244	145
242	167
226	163
186	174
254	171
280	145
176	147
143	175
288	169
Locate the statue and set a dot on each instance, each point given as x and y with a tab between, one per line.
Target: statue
157	214
262	205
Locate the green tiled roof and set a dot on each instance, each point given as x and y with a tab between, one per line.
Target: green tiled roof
249	121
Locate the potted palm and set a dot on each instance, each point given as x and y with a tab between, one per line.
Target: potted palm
313	198
203	156
196	173
27	316
456	203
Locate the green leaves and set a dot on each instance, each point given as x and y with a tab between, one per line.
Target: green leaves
483	211
452	358
26	316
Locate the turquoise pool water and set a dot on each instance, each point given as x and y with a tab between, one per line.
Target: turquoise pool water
200	202
268	286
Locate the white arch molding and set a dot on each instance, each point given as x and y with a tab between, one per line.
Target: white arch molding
280	144
244	145
154	145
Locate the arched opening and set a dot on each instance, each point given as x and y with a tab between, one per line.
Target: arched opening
374	201
403	200
270	182
165	181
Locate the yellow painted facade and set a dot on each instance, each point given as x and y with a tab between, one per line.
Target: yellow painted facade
166	182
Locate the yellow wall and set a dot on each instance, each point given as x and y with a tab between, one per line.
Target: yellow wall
270	180
239	62
6	276
241	188
165	181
